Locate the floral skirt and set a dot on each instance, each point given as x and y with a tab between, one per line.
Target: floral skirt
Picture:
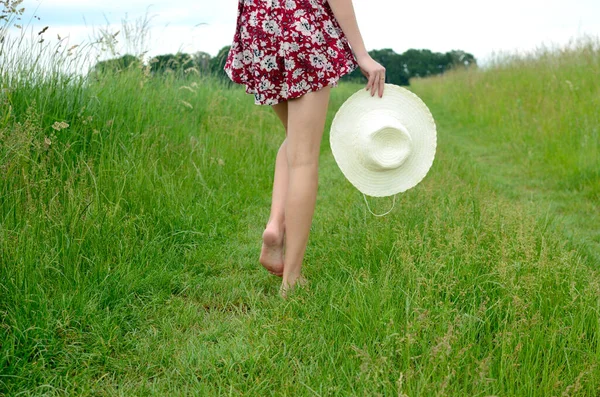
283	49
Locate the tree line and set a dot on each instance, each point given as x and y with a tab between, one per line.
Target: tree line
400	68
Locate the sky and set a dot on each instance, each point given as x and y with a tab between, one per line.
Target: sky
482	28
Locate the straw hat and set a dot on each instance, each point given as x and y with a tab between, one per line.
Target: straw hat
384	146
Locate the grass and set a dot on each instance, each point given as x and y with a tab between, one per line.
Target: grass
129	244
530	123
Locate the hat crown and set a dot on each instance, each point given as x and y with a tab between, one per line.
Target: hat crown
384	142
384	146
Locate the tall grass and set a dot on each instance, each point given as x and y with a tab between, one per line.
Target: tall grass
535	117
131	209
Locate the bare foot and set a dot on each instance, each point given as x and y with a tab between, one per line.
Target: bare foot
271	255
288	286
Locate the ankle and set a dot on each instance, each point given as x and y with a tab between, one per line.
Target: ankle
290	276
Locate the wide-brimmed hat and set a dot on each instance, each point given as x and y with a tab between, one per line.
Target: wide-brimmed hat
384	146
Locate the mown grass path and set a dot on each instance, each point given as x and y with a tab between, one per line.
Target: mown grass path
130	265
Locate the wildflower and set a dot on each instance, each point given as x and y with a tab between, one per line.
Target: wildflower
58	126
186	104
218	161
190	89
191	69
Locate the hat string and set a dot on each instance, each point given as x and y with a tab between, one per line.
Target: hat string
379	215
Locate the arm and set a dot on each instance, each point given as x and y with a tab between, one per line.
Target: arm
343	10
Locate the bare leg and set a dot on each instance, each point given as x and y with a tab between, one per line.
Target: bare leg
271	256
306	121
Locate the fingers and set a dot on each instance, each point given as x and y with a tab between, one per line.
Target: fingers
371	82
376	84
381	84
376	78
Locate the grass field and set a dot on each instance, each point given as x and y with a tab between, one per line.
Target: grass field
131	210
532	125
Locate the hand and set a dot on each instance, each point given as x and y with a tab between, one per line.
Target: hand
374	72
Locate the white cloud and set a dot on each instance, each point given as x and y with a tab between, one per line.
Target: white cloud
476	26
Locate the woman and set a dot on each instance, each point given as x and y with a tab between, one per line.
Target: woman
289	53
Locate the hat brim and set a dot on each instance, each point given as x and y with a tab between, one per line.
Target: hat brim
410	110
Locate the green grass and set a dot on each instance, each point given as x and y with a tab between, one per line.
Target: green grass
129	245
531	125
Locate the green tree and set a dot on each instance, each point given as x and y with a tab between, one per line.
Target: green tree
175	63
202	61
218	63
400	68
395	72
423	63
458	58
116	65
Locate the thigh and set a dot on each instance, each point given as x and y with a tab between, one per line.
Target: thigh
281	110
306	122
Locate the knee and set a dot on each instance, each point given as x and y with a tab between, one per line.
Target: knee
303	159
